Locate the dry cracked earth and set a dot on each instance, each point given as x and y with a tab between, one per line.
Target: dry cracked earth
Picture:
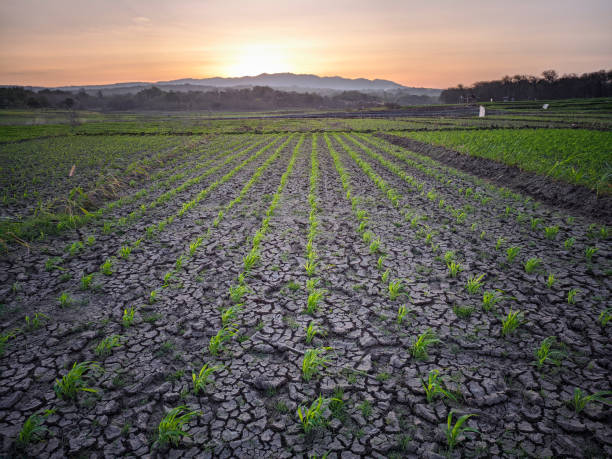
249	408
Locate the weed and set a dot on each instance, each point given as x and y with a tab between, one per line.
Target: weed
128	317
366	409
535	222
53	263
455	432
105	347
91	240
395	288
172	426
434	387
571	296
73	381
293	286
581	399
511	253
548	353
512	322
203	377
463	312
310	266
449	256
313	361
418	350
474	284
532	264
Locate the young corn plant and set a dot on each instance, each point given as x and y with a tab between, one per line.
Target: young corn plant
474	284
86	281
314	297
125	251
380	262
569	243
571	296
418	350
580	400
551	232
454	268
548	352
550	280
106	346
395	288
385	276
375	246
128	317
65	300
511	322
74	381
215	345
311	331
589	252
237	292
511	253
228	315
194	246
33	429
456	433
605	316
314	361
251	259
34	322
107	267
499	243
490	298
532	264
312	417
434	387
172	426
311	267
401	314
203	378
4	337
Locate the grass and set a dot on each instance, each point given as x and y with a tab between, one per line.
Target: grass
366	409
605	316
313	362
203	378
171	428
589	252
418	350
74	381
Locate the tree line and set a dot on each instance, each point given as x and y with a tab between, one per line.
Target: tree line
527	87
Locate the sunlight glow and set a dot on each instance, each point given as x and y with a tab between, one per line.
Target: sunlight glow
253	60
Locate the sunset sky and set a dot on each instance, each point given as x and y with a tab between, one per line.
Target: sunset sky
435	43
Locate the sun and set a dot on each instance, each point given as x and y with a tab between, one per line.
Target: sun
253	60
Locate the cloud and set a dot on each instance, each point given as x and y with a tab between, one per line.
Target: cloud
141	20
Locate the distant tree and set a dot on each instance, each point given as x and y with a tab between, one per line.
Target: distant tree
69	102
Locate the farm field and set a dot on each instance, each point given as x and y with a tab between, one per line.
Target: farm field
302	288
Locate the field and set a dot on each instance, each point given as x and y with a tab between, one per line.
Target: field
303	287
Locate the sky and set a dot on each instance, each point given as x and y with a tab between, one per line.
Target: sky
434	43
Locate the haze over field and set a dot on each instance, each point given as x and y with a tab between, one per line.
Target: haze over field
433	45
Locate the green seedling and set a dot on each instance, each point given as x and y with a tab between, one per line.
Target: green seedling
489	299
434	387
311	332
511	253
385	276
454	268
203	378
532	264
449	256
172	426
314	361
228	315
53	263
4	337
128	317
312	417
65	300
310	266
91	240
581	399
237	292
311	284
605	316
569	242
153	296
571	296
215	346
589	252
35	321
194	246
367	236
380	262
395	288
251	259
106	346
535	222
474	284
178	264
375	245
75	248
125	251
401	314
499	243
74	381
418	350
33	429
551	232
107	267
86	281
548	352
314	297
550	280
455	433
511	322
